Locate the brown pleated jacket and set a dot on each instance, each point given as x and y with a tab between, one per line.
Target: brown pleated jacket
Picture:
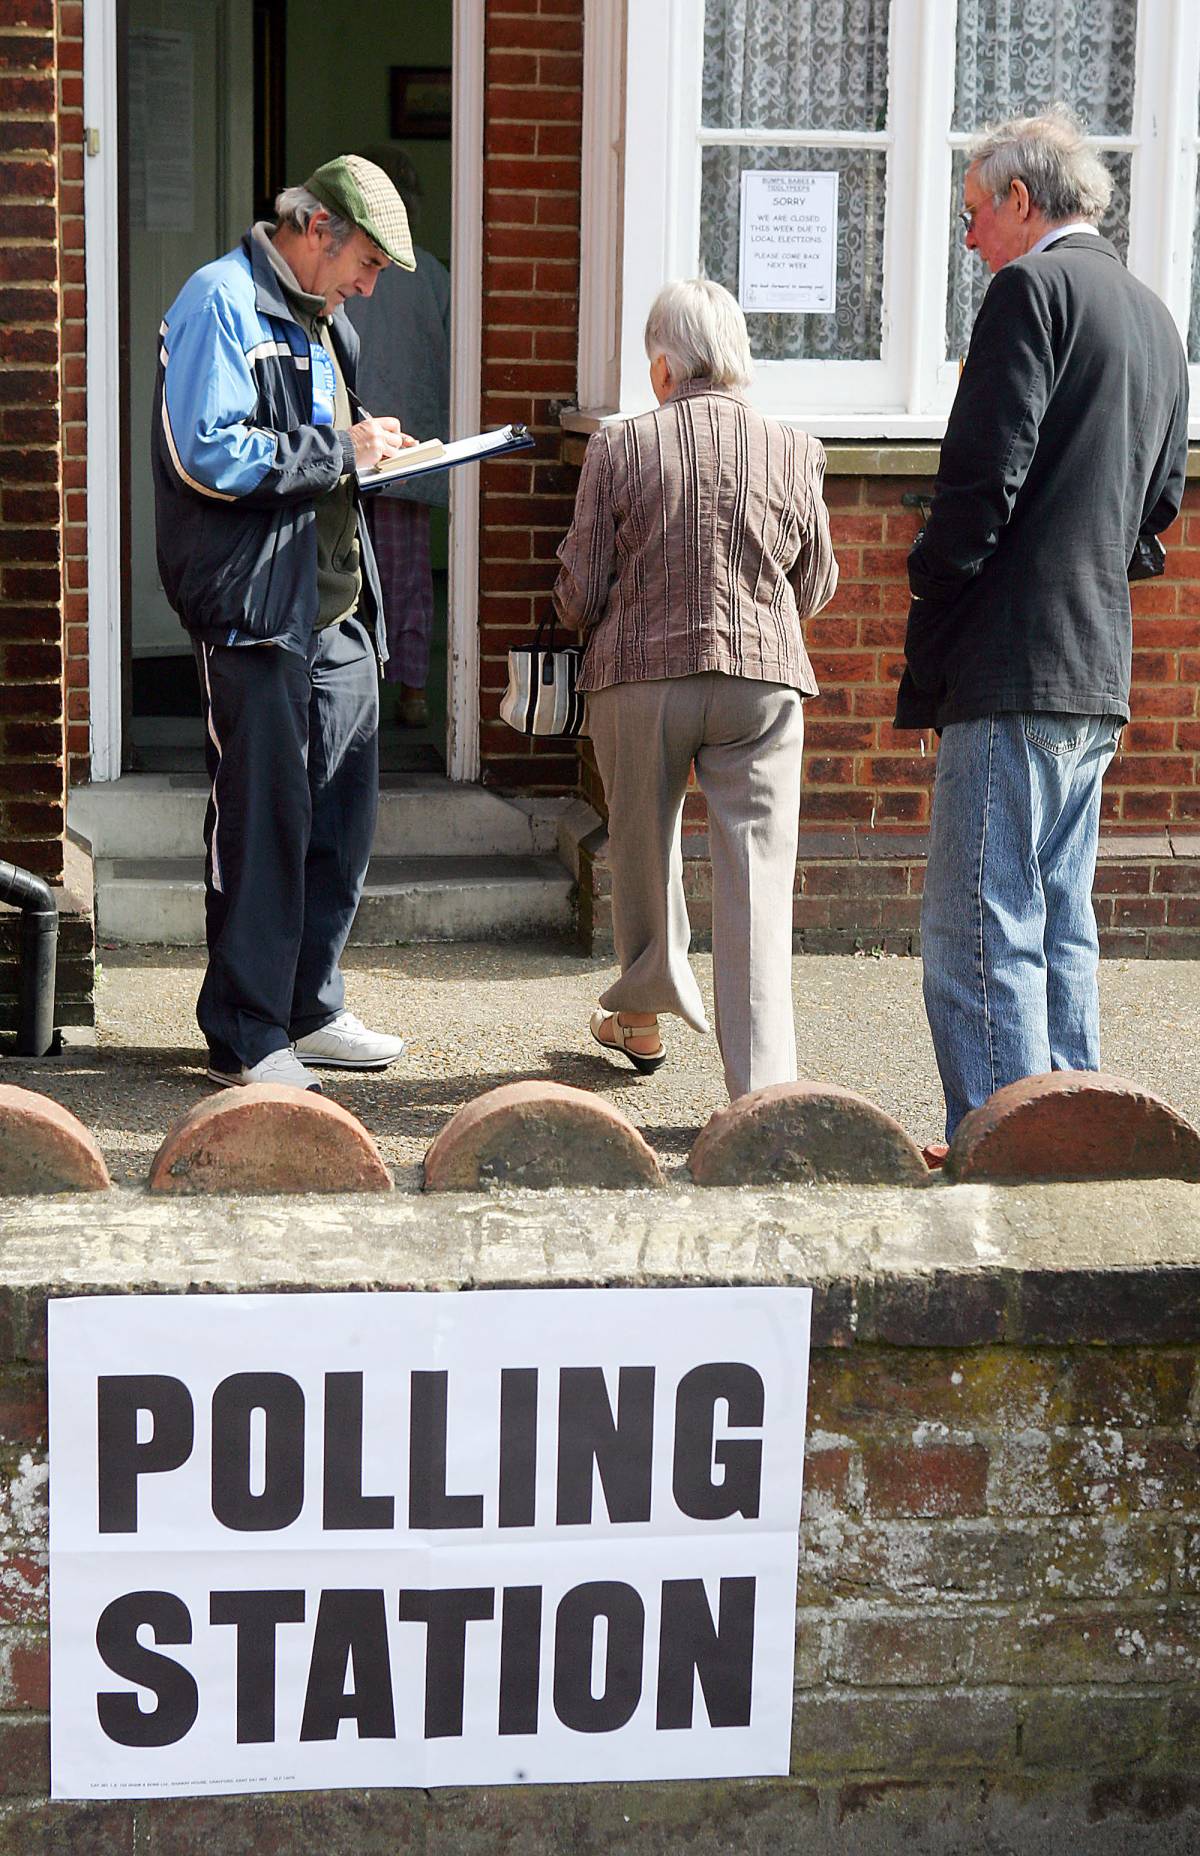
700	541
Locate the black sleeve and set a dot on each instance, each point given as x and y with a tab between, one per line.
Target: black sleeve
991	436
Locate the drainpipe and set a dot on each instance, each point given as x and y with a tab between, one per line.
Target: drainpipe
39	947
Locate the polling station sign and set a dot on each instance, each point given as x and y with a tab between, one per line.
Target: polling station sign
310	1541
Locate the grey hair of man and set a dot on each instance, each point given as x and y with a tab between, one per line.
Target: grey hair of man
701	330
1066	179
296	207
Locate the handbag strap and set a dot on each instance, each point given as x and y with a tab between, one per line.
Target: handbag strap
550	620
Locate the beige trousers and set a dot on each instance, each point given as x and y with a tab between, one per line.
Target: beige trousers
746	739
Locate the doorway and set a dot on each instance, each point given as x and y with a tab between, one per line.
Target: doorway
224	102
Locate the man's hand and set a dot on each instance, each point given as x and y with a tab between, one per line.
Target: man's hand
377	440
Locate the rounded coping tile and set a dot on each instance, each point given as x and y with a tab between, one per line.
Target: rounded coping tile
805	1133
1074	1124
267	1137
539	1134
44	1148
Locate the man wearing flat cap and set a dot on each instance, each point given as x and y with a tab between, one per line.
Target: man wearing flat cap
256	439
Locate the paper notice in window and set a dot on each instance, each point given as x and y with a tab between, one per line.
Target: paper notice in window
788	259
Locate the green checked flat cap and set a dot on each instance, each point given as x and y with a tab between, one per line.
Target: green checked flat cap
363	194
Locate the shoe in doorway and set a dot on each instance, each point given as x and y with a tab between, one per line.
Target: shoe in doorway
413	709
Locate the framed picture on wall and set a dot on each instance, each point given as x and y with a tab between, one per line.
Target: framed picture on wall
420	101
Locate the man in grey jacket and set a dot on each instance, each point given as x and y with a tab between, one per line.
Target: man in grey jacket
1065	449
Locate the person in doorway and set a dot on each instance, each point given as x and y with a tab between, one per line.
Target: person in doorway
1065	447
700	541
404	328
257	436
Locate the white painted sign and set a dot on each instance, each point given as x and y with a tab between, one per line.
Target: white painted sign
788	258
307	1541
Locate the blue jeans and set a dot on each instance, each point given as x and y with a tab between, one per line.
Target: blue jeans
1008	932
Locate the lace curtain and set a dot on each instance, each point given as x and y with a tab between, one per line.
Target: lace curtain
1012	58
795	64
800	64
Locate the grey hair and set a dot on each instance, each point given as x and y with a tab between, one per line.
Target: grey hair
1066	179
701	330
295	207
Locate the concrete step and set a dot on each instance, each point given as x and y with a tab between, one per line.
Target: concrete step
159	901
153	815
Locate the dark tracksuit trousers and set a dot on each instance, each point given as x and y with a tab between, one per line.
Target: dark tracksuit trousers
292	748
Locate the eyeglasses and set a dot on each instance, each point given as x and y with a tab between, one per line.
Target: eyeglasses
966	218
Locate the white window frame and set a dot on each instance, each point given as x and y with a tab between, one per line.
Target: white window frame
642	77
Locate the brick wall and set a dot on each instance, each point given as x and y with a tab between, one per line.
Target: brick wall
532	114
998	1619
860	771
32	782
864	808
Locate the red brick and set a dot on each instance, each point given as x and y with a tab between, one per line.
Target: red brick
932	1480
539	1134
268	1138
532	105
31	95
43	1148
799	1133
1072	1125
560	34
26	136
511	138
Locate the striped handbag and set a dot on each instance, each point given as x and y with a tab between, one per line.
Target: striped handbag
542	698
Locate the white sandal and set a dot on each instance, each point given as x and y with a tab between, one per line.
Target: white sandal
646	1064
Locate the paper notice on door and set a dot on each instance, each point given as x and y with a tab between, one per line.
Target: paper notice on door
788	258
161	143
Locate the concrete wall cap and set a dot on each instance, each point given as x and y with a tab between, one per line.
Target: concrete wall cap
1074	1124
43	1148
268	1138
539	1134
805	1132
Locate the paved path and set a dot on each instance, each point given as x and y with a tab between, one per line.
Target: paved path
477	1016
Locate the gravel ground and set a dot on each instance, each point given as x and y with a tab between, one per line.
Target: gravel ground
476	1016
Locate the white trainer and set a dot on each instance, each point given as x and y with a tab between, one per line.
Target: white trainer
279	1066
345	1043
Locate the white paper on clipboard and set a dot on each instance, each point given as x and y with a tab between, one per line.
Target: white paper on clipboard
458	451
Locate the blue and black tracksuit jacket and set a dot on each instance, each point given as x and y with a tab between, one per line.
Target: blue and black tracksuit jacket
238	461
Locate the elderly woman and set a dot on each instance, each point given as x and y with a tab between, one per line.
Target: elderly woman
700	541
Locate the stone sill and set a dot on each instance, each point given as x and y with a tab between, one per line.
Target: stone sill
1113	1263
844	458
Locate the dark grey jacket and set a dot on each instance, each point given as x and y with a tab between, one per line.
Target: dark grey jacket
238	461
1066	442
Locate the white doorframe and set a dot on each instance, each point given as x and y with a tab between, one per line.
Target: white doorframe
103	385
466	320
103	388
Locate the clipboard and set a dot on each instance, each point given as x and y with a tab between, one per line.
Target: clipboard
458	451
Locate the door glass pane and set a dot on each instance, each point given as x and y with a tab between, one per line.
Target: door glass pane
1015	57
853	331
970	277
795	64
1194	323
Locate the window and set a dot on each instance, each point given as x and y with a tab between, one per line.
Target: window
685	97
